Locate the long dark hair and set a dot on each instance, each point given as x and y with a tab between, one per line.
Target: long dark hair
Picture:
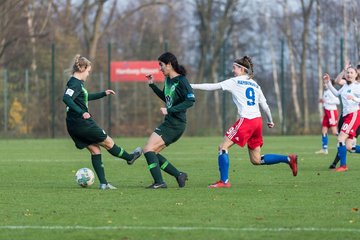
167	58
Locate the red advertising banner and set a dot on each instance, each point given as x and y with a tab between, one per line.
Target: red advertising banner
135	71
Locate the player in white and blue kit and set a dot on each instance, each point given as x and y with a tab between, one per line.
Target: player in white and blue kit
248	98
350	97
330	119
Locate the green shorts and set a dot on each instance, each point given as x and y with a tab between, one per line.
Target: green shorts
85	132
169	133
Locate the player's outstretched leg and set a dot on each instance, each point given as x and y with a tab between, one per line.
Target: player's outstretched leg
135	155
269	159
119	152
355	149
170	169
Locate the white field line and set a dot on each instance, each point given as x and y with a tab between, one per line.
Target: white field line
110	228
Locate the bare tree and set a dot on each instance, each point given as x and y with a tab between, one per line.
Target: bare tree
268	23
355	11
319	54
92	29
36	29
216	21
288	34
306	11
9	22
96	25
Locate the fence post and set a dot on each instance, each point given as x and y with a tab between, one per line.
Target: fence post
223	68
5	101
341	54
27	99
109	87
283	127
102	112
52	93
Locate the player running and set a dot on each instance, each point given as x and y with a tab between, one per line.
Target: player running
178	96
247	96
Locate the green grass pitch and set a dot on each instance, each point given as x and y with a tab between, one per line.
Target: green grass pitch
40	199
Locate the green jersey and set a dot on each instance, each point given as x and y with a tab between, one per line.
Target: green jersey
76	98
178	96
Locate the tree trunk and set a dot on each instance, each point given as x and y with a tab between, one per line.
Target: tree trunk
276	83
345	30
31	29
213	31
294	82
356	33
319	56
306	15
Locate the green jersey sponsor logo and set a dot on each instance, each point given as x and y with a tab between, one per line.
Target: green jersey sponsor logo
170	93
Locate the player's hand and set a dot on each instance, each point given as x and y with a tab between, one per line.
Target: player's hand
109	91
321	100
350	97
347	65
164	111
150	79
270	124
86	115
326	78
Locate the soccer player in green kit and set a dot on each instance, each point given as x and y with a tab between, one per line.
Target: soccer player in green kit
82	127
178	96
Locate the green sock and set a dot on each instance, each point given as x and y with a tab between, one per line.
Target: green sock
167	166
98	167
153	166
120	153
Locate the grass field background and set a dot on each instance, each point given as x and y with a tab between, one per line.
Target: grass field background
40	199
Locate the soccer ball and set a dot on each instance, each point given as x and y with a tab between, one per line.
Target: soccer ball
85	177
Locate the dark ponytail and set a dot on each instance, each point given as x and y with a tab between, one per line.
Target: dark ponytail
247	63
167	58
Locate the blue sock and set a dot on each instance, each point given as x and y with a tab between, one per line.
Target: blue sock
223	161
269	159
324	140
342	154
356	149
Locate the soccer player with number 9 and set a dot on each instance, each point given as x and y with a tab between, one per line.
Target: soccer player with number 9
247	96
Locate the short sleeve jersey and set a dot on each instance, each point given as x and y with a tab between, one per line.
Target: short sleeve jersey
246	94
76	90
176	91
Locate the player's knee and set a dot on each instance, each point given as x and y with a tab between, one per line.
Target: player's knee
350	147
223	148
108	143
149	148
94	150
